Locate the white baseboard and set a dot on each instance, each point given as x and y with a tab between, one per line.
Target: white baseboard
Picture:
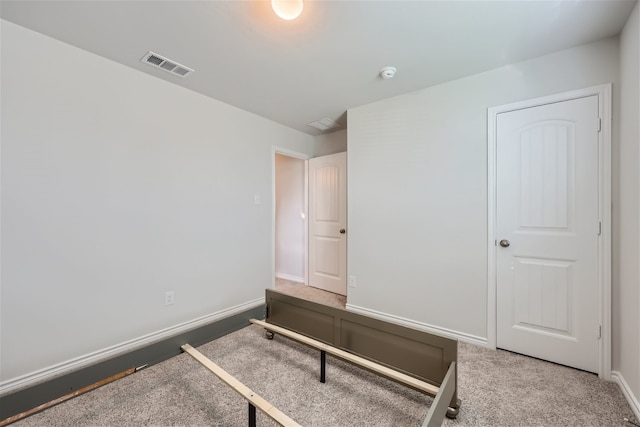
472	339
628	394
60	369
290	277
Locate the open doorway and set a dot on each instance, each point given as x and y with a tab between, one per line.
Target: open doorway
290	228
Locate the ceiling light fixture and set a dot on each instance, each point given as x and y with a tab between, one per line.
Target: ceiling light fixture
287	9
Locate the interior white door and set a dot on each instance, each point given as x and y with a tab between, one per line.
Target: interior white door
547	224
328	223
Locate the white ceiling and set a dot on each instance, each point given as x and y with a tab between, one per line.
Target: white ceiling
326	61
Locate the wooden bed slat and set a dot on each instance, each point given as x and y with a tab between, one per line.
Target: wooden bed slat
66	397
365	363
242	389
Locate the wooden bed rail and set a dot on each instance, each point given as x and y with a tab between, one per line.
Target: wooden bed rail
254	399
349	357
443	394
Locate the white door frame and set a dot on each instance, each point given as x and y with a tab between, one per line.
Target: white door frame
604	242
290	153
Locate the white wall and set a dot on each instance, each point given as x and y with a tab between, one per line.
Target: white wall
330	143
290	219
417	177
116	187
626	215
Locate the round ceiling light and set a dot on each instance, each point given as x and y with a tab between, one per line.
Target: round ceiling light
287	9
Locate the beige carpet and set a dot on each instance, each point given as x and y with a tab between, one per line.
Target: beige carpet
498	388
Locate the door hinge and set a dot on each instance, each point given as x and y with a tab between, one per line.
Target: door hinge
599	124
599	331
599	228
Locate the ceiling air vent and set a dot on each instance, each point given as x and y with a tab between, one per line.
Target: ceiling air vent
324	124
168	65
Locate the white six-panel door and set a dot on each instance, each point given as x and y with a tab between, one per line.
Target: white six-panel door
328	222
547	227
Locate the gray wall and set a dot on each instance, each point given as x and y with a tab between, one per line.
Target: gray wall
116	187
626	214
330	143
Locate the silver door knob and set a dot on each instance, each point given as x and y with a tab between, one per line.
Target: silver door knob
342	231
505	243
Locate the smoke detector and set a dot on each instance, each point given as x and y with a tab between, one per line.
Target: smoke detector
166	64
388	72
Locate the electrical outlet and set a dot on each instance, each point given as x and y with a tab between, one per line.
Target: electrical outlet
352	281
169	298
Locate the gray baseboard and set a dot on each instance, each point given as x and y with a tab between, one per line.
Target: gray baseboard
29	398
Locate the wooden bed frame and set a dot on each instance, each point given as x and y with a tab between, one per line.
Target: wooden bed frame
255	401
420	360
427	357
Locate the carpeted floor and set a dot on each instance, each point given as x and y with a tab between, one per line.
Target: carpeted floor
497	388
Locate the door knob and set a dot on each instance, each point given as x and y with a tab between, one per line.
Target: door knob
342	231
505	243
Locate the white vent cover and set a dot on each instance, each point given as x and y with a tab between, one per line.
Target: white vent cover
168	65
324	124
